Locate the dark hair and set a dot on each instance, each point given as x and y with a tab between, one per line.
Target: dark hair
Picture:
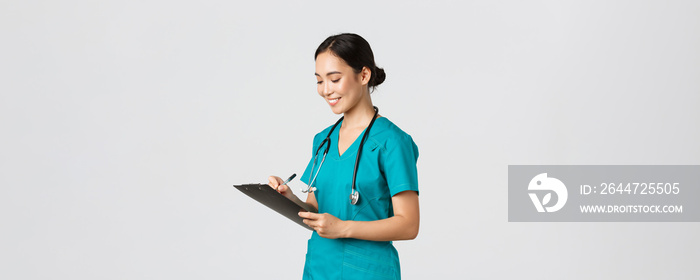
356	52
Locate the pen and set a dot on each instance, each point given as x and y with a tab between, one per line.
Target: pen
287	181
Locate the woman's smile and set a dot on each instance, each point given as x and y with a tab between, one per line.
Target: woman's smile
333	101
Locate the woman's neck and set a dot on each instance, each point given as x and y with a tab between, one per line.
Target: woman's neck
360	115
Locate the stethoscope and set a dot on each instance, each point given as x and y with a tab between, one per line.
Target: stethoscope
326	144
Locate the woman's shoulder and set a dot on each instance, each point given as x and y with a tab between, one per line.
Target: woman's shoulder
389	134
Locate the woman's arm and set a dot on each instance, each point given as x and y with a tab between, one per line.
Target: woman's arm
402	226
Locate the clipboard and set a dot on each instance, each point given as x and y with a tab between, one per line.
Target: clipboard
267	196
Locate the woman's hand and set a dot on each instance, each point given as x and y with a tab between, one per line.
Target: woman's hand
402	226
276	183
326	225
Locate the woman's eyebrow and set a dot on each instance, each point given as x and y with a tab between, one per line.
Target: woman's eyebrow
329	73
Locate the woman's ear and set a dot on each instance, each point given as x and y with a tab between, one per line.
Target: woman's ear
365	75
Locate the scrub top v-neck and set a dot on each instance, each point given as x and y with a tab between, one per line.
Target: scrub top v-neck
387	166
335	137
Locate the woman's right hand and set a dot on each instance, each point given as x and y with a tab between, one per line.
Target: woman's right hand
276	183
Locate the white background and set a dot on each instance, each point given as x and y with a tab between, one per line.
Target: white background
125	123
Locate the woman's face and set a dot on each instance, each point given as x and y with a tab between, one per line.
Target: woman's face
338	83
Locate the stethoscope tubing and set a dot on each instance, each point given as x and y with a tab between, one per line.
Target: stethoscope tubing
326	143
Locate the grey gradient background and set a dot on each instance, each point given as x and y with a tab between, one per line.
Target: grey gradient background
125	123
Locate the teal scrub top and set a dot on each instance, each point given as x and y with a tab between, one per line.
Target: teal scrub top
387	167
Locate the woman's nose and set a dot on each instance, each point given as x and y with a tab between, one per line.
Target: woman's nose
327	90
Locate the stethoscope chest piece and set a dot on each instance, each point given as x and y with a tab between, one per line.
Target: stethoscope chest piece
354	197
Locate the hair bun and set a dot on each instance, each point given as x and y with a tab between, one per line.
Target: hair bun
379	77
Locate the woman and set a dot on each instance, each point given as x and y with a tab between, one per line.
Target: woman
354	226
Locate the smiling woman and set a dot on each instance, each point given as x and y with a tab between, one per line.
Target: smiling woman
352	238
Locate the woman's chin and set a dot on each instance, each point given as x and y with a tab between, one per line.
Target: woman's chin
336	110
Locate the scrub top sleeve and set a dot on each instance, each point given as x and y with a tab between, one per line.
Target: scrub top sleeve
400	164
305	177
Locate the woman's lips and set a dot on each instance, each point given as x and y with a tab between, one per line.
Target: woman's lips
333	101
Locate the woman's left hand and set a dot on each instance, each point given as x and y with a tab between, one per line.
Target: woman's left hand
326	225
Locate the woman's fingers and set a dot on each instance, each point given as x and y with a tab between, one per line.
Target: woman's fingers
274	181
308	215
326	225
312	219
308	218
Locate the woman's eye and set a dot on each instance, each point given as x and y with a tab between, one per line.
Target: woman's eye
335	81
319	82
